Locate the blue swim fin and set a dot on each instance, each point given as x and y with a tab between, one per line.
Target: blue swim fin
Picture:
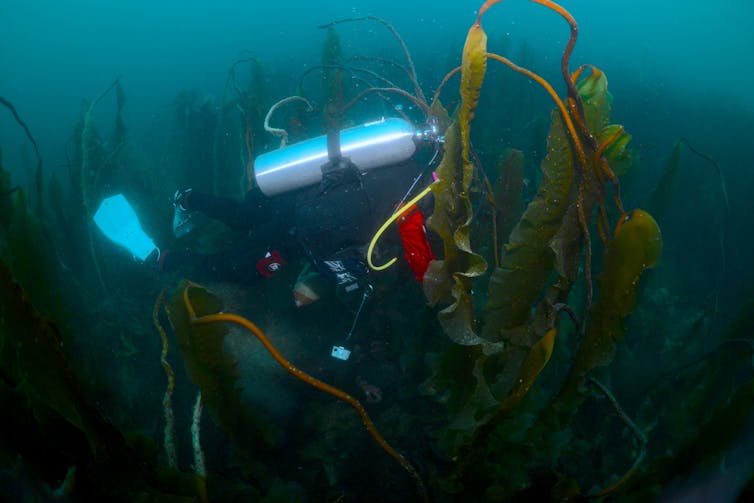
117	220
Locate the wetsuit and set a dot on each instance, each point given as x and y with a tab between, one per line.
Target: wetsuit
331	223
267	224
336	220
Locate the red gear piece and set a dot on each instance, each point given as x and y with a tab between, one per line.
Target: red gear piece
414	236
270	264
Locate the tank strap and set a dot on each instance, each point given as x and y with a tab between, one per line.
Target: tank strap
336	160
333	145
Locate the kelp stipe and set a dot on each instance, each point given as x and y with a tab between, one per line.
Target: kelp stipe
90	171
333	82
38	174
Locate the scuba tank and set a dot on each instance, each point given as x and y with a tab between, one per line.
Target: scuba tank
372	145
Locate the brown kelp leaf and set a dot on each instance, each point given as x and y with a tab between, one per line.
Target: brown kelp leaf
474	395
473	67
594	94
453	211
437	282
617	153
508	189
216	373
448	212
533	364
451	277
637	246
527	260
440	114
548	238
457	320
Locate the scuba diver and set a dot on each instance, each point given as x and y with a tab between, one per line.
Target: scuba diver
323	198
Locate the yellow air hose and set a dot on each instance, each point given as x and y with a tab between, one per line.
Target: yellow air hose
395	216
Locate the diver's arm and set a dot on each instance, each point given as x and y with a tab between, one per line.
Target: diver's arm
246	261
238	215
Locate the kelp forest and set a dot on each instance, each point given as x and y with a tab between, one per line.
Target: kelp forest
544	356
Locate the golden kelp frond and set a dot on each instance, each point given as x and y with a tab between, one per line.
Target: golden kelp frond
473	68
636	247
527	260
215	373
533	364
594	95
453	211
451	277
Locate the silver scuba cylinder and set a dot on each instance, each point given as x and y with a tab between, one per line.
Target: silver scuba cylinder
372	145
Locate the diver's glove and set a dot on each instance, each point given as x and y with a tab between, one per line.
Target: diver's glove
182	223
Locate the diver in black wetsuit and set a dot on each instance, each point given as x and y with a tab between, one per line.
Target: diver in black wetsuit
331	222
